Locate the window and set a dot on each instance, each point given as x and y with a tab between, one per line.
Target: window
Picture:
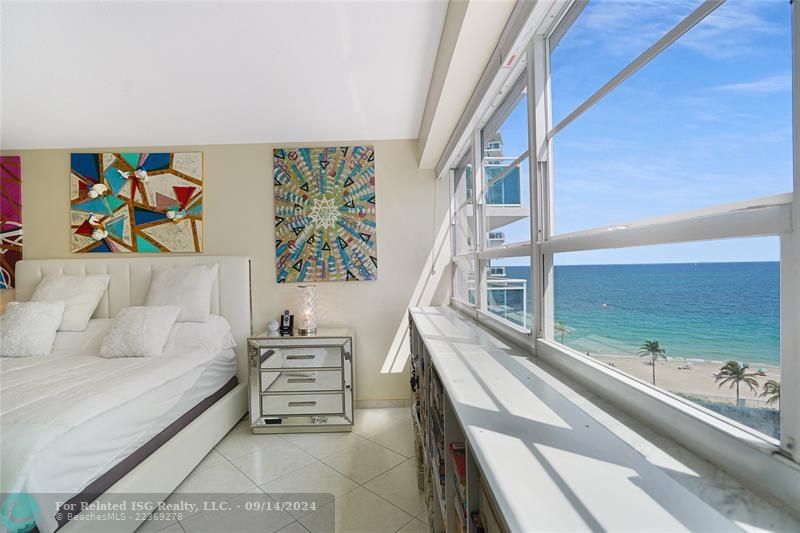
723	306
506	196
598	39
706	122
664	175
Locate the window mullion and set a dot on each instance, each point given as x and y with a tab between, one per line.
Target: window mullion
790	277
479	211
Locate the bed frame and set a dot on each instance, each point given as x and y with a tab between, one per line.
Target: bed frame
157	476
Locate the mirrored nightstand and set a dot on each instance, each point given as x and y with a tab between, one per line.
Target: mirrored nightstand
302	384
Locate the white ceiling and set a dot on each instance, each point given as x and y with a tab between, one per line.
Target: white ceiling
177	73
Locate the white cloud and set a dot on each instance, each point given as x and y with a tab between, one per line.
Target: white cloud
770	84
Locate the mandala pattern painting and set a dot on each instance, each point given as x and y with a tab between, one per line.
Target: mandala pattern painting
10	218
325	214
137	202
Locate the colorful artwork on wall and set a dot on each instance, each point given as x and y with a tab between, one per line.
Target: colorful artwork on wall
10	218
137	202
325	214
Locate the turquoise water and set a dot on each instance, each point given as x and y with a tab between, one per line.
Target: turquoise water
713	311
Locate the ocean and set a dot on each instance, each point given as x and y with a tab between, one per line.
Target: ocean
710	311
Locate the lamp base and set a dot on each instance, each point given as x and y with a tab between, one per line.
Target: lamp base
306	332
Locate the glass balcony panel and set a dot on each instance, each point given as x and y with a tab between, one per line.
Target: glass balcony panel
508	294
507	212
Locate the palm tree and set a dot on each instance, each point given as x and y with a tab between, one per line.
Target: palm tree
653	350
772	391
735	374
562	330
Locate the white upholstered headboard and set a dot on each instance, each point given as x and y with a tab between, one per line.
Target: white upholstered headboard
130	280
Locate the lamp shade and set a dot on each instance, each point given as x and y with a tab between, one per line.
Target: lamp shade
306	311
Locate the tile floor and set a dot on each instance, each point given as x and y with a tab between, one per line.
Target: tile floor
371	472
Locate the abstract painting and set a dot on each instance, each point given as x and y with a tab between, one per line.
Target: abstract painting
136	202
325	214
10	218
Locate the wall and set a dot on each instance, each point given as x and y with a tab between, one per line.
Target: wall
239	221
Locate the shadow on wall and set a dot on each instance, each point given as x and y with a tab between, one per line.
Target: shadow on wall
428	289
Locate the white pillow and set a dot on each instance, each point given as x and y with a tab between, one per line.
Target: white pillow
80	294
213	336
139	331
187	287
29	328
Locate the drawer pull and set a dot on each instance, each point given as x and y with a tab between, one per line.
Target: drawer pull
302	404
291	357
302	380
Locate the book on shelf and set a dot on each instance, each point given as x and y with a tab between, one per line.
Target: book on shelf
458	456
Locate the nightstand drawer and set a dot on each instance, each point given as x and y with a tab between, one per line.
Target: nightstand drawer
302	404
301	357
301	381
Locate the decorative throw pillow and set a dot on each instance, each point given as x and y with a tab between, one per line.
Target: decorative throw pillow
139	331
188	287
80	294
29	328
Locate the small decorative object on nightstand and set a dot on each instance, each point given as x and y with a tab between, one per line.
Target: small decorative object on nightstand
302	384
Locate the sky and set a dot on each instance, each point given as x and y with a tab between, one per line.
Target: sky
707	122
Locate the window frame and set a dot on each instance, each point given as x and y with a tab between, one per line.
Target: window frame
775	215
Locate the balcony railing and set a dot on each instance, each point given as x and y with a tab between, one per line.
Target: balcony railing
507	191
507	298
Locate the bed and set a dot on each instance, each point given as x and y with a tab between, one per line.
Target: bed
77	426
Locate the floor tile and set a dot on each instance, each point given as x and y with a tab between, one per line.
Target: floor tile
238	518
415	526
323	444
154	526
220	479
214	458
174	528
364	461
399	486
315	478
399	439
294	527
371	421
241	441
359	511
272	461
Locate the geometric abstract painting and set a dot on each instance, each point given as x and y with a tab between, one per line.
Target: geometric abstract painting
10	218
136	202
325	214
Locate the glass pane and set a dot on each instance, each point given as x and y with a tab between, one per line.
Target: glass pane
464	281
508	283
463	202
604	39
506	185
707	122
507	222
704	303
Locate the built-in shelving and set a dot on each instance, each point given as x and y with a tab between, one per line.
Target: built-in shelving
533	459
446	471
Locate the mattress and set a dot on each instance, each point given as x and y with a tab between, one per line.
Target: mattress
68	418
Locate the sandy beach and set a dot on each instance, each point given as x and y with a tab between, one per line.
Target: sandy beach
697	380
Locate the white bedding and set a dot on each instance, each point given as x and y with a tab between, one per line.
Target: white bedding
67	418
